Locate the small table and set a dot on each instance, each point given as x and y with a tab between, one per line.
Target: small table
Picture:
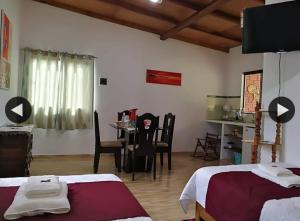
8	139
128	129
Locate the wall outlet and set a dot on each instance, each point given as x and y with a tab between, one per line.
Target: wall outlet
103	81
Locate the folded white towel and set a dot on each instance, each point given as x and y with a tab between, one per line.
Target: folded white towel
285	181
41	190
43	179
42	186
275	170
24	206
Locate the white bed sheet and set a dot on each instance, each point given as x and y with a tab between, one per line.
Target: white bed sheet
197	186
6	182
281	210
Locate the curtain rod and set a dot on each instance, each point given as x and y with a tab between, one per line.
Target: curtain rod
58	52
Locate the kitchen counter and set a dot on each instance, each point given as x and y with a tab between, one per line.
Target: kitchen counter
237	123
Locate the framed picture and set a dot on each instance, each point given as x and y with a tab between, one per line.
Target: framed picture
4	74
163	77
252	90
5	58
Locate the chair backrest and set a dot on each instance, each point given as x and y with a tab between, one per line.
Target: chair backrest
97	130
146	134
212	140
120	114
168	129
13	154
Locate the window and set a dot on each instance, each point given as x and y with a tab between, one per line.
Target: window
59	87
252	90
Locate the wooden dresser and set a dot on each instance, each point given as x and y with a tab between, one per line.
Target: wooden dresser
15	151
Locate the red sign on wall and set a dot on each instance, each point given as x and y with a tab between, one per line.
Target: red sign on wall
6	36
163	77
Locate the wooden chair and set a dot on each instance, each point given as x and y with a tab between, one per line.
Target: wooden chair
114	147
256	142
165	143
145	133
209	145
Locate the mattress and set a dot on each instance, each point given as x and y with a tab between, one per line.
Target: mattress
197	187
92	197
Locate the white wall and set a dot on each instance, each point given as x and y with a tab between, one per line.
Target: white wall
124	54
12	8
238	64
290	151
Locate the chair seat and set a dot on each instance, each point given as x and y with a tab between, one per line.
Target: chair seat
122	140
162	144
130	147
111	143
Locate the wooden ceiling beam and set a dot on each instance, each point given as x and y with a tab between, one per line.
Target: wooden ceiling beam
167	18
216	33
199	7
193	18
262	2
126	23
140	10
98	15
200	43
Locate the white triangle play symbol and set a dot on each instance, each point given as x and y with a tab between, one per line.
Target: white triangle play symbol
18	110
281	110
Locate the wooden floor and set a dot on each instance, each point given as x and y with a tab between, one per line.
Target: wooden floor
159	197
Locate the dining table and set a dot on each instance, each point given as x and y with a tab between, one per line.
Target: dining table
142	164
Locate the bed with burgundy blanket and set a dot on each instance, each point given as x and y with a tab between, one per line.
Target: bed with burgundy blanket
235	193
92	198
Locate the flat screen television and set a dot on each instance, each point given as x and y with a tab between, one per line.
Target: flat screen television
272	28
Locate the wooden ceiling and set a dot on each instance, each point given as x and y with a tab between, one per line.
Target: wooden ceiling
210	23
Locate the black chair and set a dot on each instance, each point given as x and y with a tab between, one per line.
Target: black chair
165	144
209	146
145	133
114	147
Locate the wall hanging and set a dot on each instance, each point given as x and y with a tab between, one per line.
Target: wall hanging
163	77
5	59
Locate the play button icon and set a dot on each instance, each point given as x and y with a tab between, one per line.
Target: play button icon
281	109
18	110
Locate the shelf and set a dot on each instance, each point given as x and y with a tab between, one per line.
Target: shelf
234	149
233	136
235	123
266	143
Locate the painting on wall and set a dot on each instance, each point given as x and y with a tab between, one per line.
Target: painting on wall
163	77
252	90
6	41
4	74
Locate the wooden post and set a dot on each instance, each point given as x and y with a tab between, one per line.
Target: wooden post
274	153
198	212
257	137
278	134
277	141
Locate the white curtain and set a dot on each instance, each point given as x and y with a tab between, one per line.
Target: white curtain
59	87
